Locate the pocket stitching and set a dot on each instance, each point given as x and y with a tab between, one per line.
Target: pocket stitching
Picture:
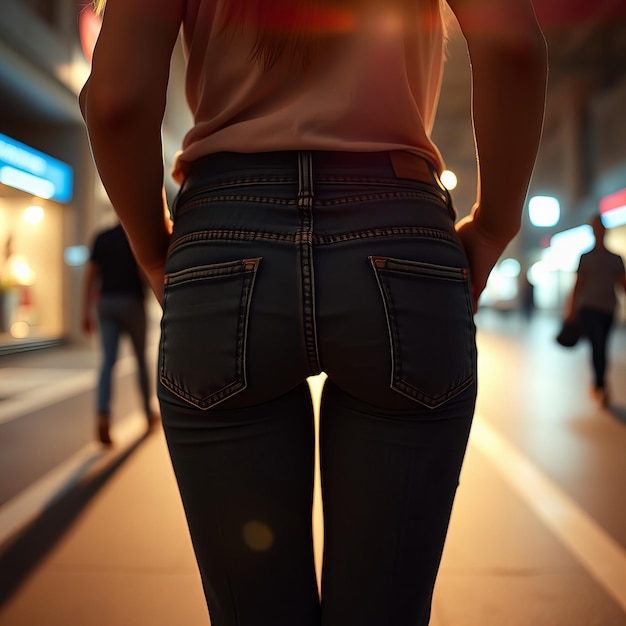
248	269
397	382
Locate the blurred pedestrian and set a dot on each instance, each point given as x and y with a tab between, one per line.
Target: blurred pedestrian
594	300
312	233
113	283
527	295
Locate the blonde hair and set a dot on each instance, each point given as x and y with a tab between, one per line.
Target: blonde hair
98	6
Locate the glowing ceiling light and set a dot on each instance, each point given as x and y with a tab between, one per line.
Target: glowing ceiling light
510	268
544	211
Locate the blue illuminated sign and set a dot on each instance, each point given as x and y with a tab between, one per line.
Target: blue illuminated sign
25	168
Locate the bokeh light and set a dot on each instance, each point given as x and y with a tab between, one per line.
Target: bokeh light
544	211
449	179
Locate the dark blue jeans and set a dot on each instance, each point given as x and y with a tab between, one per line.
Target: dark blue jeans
118	315
283	265
597	327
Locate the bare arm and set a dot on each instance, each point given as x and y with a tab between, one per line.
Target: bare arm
509	70
123	103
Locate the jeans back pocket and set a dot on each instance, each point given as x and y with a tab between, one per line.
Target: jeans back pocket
204	331
429	316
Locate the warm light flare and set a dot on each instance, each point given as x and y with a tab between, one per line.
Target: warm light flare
258	536
18	269
449	179
33	214
20	330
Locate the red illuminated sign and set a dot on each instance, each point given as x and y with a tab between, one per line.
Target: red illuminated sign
613	201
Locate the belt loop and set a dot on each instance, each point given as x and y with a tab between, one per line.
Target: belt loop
305	252
305	175
174	205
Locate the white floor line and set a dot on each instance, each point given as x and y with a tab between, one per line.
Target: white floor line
48	394
27	505
598	552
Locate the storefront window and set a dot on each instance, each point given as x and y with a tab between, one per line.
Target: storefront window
31	268
33	189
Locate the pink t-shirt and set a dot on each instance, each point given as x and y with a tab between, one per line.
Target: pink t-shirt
374	86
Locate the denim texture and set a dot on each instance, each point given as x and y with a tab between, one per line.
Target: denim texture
281	266
118	315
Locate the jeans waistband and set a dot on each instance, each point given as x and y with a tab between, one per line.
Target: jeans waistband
309	168
392	164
